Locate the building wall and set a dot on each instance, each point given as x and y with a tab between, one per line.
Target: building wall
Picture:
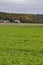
17	21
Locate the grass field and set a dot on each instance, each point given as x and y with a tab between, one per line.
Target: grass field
20	45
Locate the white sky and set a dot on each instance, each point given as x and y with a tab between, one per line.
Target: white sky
21	1
22	6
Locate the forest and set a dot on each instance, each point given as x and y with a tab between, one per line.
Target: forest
24	18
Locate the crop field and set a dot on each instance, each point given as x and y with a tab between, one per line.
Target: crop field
21	45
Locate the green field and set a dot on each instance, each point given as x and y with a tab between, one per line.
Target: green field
20	45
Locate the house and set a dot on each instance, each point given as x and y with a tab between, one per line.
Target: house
4	21
1	21
16	21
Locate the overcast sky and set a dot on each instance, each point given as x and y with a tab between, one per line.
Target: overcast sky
22	6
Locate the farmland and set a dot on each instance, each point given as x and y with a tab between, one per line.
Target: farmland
21	45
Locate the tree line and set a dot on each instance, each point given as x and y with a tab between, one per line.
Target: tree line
24	18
